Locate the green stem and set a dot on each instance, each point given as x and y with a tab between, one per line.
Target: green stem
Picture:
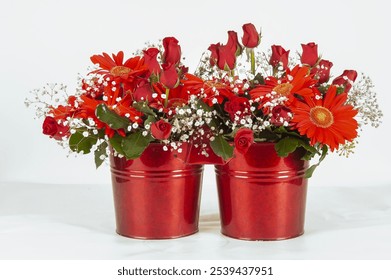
167	94
252	62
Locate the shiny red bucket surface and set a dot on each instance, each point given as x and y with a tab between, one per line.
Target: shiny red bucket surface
156	196
262	196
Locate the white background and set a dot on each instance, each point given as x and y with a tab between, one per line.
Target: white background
51	41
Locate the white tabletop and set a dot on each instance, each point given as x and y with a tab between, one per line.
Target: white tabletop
77	222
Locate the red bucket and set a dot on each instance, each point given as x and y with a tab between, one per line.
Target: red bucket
262	196
156	196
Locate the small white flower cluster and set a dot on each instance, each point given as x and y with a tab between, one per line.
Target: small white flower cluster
189	125
47	97
363	98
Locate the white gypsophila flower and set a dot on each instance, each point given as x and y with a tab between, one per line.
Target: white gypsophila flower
47	97
363	98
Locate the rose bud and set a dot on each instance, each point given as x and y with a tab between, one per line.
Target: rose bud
213	53
150	59
322	71
279	57
346	79
226	57
280	115
161	130
226	54
55	130
169	76
172	51
310	54
237	106
251	37
243	140
143	92
233	43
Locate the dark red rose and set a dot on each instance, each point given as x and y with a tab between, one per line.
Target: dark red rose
150	59
280	114
172	51
226	54
213	53
310	54
161	130
243	140
169	76
322	71
143	92
346	79
279	57
226	57
55	130
233	43
251	37
237	106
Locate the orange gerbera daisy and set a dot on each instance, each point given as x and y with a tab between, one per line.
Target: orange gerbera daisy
328	121
296	81
115	67
212	89
116	71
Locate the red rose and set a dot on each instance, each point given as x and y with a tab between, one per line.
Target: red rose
233	42
226	54
143	92
279	56
55	130
169	76
322	71
237	106
150	59
346	79
243	140
226	57
161	130
172	51
310	54
213	53
251	37
280	114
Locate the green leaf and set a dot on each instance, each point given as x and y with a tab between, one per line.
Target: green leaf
109	117
286	146
308	147
116	143
135	144
311	169
149	120
79	143
307	156
222	148
143	107
100	151
258	79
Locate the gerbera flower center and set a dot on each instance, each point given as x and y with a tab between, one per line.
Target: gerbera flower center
215	84
321	116
120	70
283	89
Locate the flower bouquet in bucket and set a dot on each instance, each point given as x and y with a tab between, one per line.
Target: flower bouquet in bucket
136	113
259	117
271	115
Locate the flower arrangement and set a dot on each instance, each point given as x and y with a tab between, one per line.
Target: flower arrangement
124	104
238	95
259	97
